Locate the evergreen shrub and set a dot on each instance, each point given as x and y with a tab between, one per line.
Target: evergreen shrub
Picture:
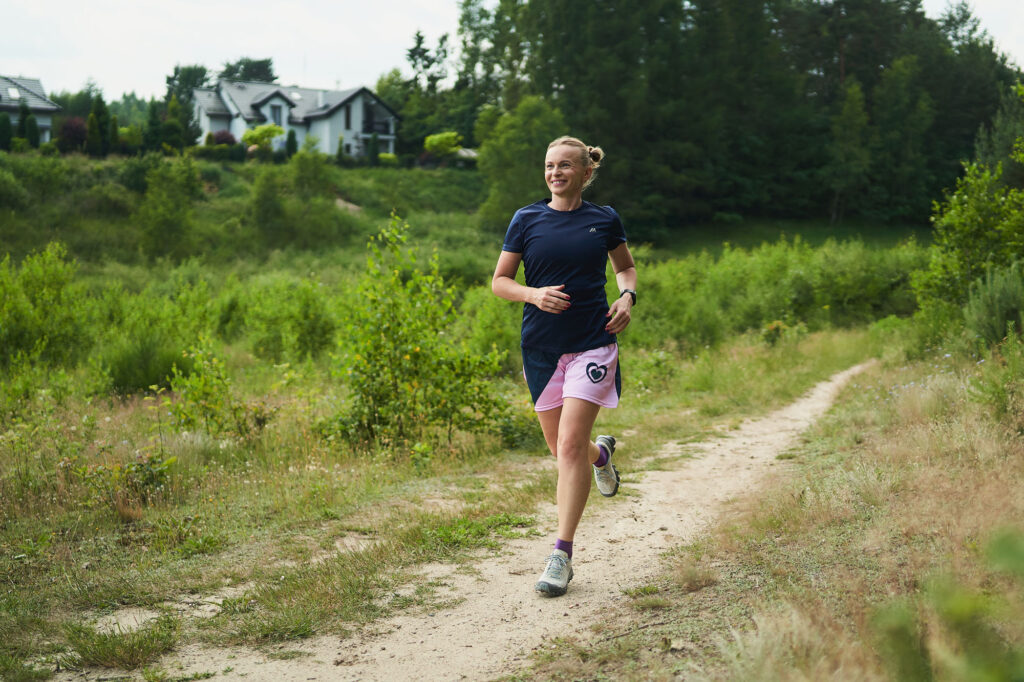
995	301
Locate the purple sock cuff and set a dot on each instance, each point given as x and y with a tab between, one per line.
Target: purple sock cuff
602	457
564	546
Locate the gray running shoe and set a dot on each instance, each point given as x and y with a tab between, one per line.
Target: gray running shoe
607	477
556	576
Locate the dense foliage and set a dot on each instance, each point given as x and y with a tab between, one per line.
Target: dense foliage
715	110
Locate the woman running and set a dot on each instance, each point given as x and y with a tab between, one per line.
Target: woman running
570	355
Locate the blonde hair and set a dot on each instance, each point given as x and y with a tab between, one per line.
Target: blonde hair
590	157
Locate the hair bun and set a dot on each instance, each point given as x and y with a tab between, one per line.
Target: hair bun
595	153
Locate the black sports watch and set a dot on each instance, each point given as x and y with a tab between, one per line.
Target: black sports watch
631	292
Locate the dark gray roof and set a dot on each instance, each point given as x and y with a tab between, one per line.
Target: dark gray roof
29	89
211	102
307	103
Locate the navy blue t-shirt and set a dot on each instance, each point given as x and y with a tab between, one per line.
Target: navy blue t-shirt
570	248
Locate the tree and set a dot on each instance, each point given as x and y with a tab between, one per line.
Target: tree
32	131
443	144
373	150
23	113
850	151
185	79
93	139
73	134
5	131
511	158
995	143
165	214
115	135
102	114
151	134
291	145
246	69
262	136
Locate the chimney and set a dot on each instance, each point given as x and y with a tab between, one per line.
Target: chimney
319	98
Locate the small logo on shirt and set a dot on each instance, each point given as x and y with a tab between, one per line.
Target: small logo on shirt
593	229
596	372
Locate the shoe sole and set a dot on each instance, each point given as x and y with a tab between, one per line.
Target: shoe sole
612	493
552	590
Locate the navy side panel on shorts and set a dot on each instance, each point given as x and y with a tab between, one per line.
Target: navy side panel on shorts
618	378
539	366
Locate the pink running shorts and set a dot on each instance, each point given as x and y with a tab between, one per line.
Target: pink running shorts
592	375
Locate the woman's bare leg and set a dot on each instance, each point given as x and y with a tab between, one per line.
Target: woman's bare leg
567	432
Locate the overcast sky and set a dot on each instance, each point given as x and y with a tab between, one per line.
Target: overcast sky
132	45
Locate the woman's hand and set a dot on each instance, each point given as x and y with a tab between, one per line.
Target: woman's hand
550	299
619	313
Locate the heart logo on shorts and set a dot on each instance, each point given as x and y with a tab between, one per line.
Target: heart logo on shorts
596	372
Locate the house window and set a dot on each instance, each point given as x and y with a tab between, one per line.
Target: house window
348	118
275	113
348	150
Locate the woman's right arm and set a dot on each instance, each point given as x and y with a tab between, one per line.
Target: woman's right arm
504	284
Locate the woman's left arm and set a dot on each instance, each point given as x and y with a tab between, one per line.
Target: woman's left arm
620	311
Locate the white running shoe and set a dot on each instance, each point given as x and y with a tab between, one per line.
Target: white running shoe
607	477
556	576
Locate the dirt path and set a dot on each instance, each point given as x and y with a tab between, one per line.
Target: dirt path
500	619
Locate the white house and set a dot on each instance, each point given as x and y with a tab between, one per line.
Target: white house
15	90
352	115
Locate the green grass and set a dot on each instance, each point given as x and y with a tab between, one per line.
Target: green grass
121	648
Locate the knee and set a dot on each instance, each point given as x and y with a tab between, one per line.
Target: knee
573	449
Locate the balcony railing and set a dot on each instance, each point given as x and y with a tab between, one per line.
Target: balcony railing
379	127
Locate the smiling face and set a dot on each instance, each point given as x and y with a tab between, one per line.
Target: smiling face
564	172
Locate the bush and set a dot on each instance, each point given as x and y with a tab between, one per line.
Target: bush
12	194
388	160
995	301
105	199
41	309
134	171
405	373
980	226
165	215
224	137
135	362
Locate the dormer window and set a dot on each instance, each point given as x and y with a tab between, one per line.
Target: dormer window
275	113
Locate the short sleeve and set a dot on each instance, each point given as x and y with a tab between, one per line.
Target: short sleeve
514	235
616	232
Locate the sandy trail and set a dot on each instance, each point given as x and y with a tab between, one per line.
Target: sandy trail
501	620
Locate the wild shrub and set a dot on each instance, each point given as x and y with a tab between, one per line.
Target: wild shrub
1000	384
12	194
44	177
105	199
41	309
285	318
486	322
993	302
165	215
981	225
266	211
404	371
134	171
206	402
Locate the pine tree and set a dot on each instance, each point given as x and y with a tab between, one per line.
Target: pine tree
99	109
23	114
32	131
115	135
151	133
5	131
291	145
93	139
